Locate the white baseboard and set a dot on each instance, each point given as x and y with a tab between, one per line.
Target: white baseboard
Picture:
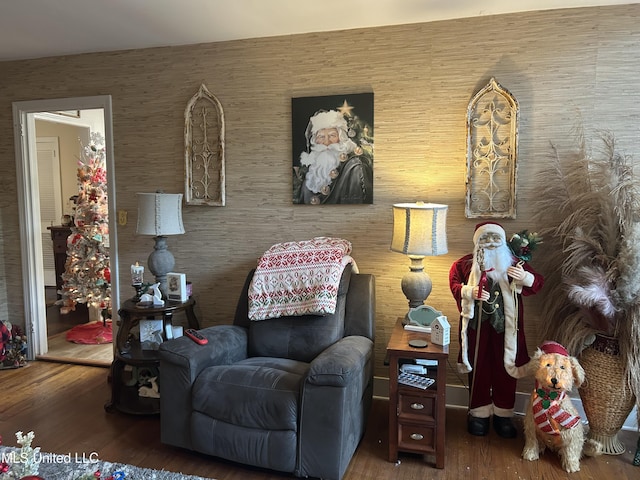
458	396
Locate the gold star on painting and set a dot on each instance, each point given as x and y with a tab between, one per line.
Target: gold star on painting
345	109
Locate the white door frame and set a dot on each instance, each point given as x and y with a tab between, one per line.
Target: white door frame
29	208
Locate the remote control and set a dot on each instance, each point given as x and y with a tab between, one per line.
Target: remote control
195	336
415	380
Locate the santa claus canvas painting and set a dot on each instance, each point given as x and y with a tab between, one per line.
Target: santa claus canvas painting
332	139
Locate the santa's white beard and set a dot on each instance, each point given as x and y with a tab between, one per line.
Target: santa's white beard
498	259
320	165
321	160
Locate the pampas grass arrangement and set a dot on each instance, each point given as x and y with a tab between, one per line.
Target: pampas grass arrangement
589	214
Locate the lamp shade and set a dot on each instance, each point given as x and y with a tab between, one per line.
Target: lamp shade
419	229
159	214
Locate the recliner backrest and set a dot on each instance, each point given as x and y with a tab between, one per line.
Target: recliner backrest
299	338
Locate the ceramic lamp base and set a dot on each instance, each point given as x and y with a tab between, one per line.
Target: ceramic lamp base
416	284
161	262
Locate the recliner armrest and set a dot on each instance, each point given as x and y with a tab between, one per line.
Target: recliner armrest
342	362
336	399
226	344
181	361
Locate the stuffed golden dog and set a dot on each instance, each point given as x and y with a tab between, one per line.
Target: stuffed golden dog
551	420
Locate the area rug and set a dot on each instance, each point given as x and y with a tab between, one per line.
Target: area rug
91	333
78	466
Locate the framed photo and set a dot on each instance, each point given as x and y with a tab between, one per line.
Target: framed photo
177	287
151	331
332	138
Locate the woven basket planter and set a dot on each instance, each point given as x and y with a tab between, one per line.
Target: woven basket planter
606	397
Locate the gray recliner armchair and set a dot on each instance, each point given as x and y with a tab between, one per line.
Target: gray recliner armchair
290	394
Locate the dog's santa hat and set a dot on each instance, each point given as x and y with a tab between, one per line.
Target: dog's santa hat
549	346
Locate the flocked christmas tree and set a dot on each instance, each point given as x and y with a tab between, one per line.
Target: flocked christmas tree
87	276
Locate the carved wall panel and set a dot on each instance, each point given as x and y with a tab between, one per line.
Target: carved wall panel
204	150
492	152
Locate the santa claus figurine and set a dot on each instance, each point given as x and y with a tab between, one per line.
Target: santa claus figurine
488	285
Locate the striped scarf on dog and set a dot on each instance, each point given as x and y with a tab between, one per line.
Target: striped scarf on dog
548	414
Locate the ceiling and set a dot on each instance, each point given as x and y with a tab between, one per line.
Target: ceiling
45	28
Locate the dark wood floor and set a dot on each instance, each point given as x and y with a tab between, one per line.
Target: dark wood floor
63	405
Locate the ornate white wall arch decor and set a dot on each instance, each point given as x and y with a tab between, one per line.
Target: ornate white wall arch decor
204	150
492	152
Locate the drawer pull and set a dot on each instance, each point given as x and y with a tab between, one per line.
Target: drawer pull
417	406
416	436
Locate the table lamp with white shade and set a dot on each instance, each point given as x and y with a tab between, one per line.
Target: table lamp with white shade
160	215
419	230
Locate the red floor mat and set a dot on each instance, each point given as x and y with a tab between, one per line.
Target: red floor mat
92	333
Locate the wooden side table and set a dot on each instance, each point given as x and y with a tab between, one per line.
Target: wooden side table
131	357
416	416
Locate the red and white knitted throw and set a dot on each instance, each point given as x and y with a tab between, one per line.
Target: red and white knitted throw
298	278
549	416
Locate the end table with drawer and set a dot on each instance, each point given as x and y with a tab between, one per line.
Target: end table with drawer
416	416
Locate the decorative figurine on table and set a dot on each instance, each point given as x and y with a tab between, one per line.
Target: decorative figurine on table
148	299
150	389
493	351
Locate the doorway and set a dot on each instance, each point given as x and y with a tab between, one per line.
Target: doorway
24	114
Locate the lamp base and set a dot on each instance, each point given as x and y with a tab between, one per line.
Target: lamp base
161	262
416	284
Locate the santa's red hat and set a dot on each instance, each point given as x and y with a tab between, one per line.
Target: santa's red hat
550	346
488	227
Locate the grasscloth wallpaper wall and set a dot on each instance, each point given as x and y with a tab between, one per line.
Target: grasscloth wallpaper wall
562	66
